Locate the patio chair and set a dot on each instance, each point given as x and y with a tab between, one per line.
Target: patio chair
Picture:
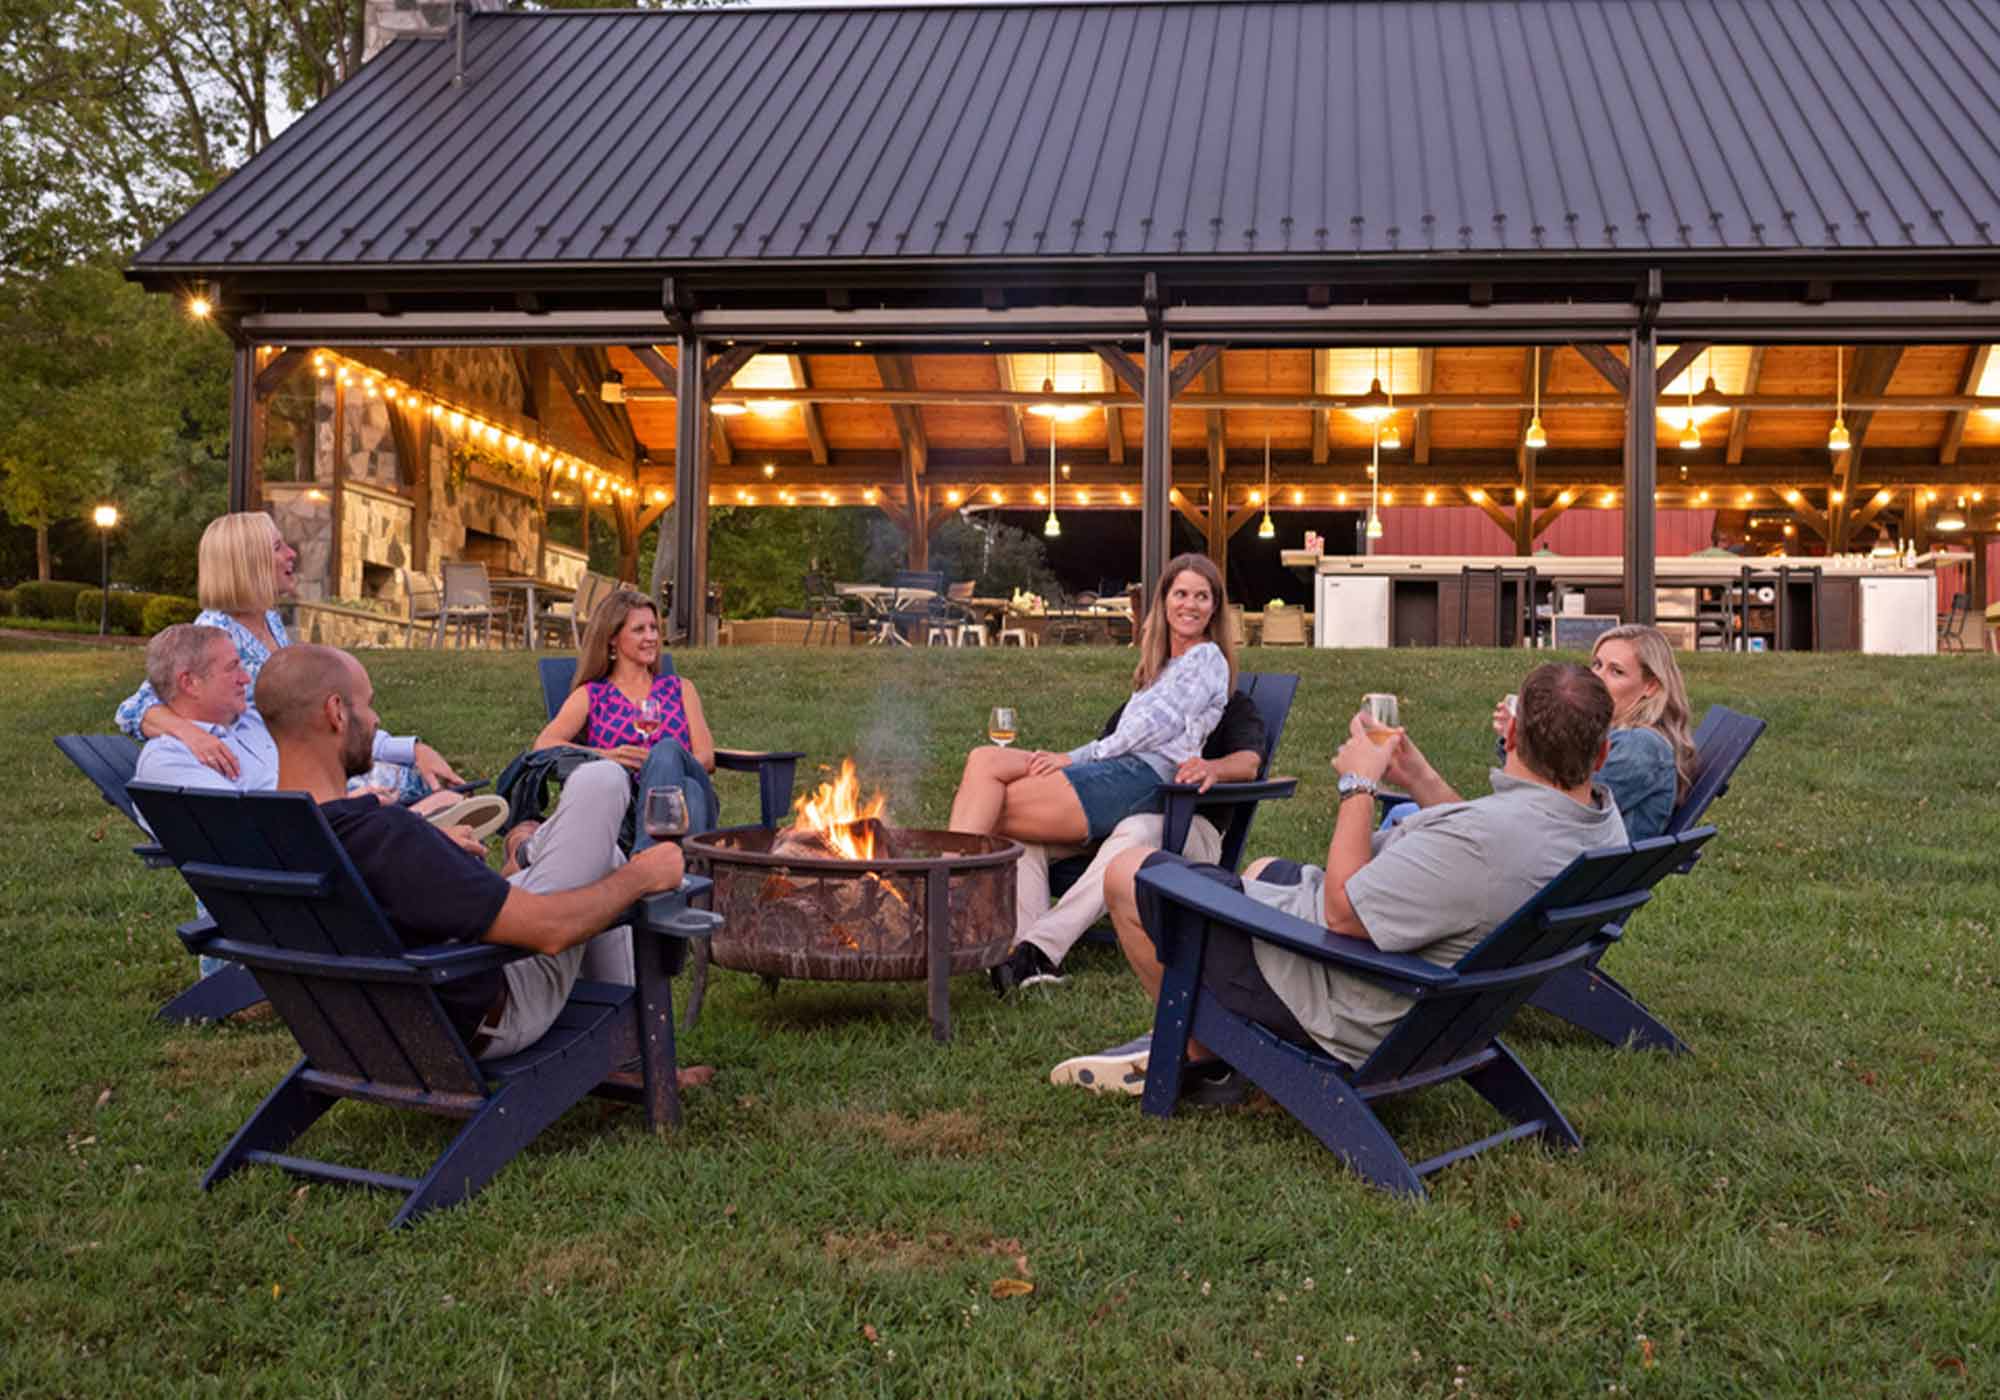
826	608
775	768
1451	1032
1272	693
468	599
288	903
423	605
109	760
1590	998
1951	627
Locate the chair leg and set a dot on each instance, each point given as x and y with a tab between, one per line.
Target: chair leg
495	1135
1592	1001
213	997
287	1111
1346	1124
697	986
1507	1085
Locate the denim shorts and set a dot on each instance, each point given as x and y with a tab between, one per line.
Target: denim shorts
1112	789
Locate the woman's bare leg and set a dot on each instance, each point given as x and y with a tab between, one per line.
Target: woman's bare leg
982	790
1044	809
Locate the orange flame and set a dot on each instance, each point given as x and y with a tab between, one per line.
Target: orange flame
836	812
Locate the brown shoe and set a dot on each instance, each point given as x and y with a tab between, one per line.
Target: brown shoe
512	845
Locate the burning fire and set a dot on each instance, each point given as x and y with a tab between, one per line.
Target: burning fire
837	815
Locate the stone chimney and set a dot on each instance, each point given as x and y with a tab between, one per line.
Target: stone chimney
385	20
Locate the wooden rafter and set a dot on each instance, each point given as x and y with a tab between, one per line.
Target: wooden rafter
809	411
524	376
1239	519
1874	367
1954	428
1739	418
1547	517
1017	435
596	366
1218	466
1123	368
589	405
723	368
1191	513
1193	363
1114	434
277	370
1682	356
1609	367
1420	433
1484	500
1321	362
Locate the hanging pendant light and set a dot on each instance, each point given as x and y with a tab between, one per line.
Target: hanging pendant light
1536	439
1268	530
1690	434
1952	520
1391	439
1052	527
1838	440
1374	403
1374	530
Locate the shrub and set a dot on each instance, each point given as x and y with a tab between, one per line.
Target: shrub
7	605
128	609
163	610
54	599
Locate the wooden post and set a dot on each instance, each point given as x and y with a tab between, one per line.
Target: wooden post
690	490
246	458
1156	471
420	497
337	502
1642	417
1218	466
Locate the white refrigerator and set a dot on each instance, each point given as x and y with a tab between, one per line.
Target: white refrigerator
1353	611
1899	615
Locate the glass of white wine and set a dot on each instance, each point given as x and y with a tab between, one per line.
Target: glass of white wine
1381	717
1000	726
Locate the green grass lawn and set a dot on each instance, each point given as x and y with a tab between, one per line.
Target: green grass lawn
1810	1203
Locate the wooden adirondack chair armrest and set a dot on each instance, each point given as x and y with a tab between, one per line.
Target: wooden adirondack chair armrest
155	857
775	770
671	913
195	933
1183	800
1178	884
449	962
1385	798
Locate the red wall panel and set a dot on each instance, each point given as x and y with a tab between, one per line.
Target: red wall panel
1582	530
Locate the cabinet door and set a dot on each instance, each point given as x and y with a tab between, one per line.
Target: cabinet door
1840	614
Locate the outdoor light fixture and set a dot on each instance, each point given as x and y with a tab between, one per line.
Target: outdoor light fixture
1268	530
104	517
728	408
200	307
1953	519
1838	440
1052	527
612	390
1374	528
1536	439
1375	403
1056	412
1690	434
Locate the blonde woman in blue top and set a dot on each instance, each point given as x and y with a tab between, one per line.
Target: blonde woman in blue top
244	567
1185	673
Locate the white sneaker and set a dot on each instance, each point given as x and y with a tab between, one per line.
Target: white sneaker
1120	1070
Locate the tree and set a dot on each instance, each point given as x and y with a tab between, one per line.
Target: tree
103	386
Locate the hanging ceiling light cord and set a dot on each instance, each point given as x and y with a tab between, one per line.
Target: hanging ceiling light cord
1375	489
1690	434
1391	438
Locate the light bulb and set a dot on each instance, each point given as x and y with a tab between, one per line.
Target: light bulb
1052	526
1269	529
1374	526
1691	437
1838	440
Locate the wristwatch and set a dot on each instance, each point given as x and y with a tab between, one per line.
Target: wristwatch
1351	783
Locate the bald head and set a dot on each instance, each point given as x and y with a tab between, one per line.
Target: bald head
294	684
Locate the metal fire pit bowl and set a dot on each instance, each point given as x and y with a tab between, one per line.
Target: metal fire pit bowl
939	903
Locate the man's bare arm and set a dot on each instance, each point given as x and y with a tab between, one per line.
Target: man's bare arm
549	923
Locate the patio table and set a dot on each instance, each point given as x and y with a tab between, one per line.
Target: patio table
521	589
882	600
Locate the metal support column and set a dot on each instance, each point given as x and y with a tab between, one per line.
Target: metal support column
690	492
243	457
1641	472
1156	477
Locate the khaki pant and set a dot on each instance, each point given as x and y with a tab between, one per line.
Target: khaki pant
576	846
1056	930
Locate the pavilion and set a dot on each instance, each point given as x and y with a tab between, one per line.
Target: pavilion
951	253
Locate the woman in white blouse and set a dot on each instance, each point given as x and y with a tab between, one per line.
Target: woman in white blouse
1185	673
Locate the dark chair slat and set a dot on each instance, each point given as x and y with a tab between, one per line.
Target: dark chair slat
367	1014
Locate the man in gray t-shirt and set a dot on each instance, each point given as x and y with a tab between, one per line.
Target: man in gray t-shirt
1433	886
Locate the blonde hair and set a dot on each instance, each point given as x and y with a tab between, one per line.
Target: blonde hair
1666	709
1156	639
593	661
237	567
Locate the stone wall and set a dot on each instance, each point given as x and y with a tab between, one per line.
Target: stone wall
303	513
561	564
328	624
374	529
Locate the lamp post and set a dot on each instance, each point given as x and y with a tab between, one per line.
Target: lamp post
105	517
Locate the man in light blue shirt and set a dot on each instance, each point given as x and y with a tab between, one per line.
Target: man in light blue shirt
198	676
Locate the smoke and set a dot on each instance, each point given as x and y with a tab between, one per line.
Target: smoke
891	751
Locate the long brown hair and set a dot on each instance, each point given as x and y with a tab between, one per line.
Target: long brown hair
593	660
1666	709
1156	640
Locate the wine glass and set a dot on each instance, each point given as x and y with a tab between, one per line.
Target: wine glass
666	812
1381	717
648	718
1000	727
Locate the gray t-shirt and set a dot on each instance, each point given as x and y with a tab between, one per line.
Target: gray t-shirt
1436	885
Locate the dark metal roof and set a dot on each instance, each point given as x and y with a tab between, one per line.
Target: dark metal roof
1399	128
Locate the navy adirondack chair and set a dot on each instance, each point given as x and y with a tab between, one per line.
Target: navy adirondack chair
1451	1032
1590	998
286	902
1271	692
776	769
109	761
